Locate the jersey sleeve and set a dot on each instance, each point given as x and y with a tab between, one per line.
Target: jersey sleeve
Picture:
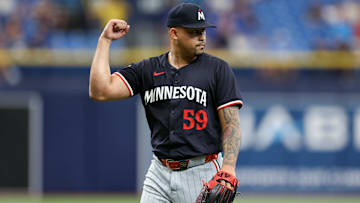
131	76
227	91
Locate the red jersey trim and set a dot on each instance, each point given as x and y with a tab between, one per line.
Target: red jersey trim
126	83
236	102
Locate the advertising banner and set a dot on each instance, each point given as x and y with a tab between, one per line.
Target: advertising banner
300	142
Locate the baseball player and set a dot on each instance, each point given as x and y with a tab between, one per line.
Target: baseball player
191	102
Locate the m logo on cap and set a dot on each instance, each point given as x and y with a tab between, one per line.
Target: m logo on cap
201	15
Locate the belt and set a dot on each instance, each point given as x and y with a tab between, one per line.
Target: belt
178	165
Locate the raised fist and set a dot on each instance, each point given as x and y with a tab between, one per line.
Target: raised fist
115	29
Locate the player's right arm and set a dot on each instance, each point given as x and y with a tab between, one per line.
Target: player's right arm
102	85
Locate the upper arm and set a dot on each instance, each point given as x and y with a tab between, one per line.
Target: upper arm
228	97
118	88
229	117
126	82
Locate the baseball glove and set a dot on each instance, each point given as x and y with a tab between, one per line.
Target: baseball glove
214	192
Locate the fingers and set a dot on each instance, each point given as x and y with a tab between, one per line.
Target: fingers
229	186
127	28
226	184
120	26
115	29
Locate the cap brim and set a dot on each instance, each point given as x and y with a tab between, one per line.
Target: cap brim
199	25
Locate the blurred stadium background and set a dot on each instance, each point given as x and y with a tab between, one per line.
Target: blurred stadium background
297	64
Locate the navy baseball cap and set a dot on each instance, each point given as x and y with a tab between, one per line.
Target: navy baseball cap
187	15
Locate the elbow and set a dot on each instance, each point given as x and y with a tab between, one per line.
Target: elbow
96	97
92	96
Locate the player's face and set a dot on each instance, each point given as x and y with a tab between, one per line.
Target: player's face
193	40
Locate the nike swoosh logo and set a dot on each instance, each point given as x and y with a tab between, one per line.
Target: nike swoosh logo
159	73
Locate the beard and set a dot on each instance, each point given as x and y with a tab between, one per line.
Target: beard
198	52
191	51
200	48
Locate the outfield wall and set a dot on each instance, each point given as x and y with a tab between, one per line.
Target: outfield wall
301	131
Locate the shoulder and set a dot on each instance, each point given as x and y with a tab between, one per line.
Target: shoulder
220	67
152	61
208	58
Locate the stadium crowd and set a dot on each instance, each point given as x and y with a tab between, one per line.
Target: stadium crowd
242	24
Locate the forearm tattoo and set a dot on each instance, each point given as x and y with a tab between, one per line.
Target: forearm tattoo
231	139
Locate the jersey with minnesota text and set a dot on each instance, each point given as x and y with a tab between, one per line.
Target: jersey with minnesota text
182	105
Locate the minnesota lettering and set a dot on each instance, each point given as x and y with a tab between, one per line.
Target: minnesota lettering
175	92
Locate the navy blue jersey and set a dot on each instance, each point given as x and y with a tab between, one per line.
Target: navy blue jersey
182	105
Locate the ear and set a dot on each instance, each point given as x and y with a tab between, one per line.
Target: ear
173	33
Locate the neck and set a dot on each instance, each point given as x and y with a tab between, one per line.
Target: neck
179	59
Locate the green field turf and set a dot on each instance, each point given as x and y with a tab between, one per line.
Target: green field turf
132	199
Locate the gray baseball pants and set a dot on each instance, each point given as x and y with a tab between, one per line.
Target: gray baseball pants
163	185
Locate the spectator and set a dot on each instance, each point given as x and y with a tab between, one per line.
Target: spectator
115	9
242	24
9	74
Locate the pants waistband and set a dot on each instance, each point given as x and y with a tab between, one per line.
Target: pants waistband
178	165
